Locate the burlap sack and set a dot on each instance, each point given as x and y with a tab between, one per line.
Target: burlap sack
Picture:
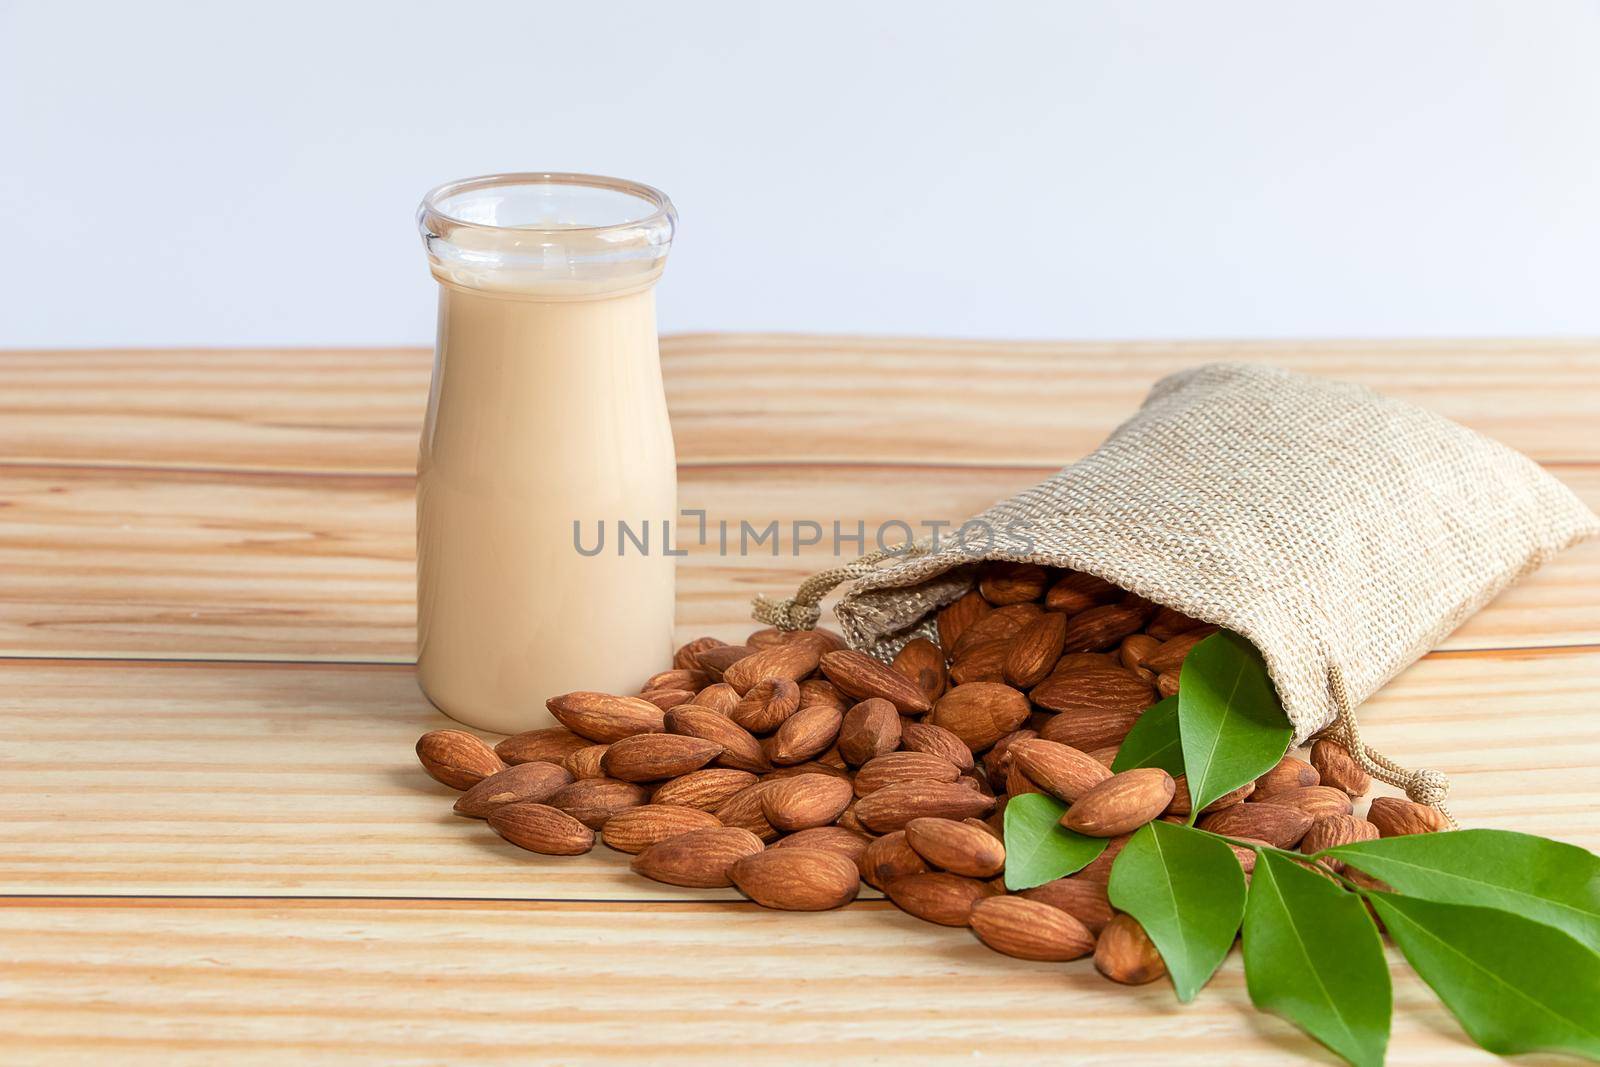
1342	532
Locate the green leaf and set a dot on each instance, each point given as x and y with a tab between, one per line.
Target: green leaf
1515	985
1153	741
1539	879
1038	848
1312	955
1187	890
1232	726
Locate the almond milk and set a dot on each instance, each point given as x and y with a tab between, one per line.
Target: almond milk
546	410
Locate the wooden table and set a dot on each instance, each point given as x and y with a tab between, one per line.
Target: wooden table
216	845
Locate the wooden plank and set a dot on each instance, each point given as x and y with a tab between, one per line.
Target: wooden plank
270	779
196	982
301	566
753	398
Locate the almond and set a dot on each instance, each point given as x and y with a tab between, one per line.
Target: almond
1099	868
869	729
846	842
893	767
822	691
1084	899
541	828
1275	824
1315	800
1035	650
1094	689
1124	953
592	801
1339	769
887	859
699	859
788	662
936	741
1106	755
718	696
526	783
707	789
743	810
767	637
1133	651
954	618
585	763
1169	623
891	807
1089	730
997	762
668	698
922	663
1172	653
999	624
1102	627
808	732
551	745
858	675
980	713
985	661
690	678
797	879
936	897
1078	592
1029	930
1331	831
604	718
1012	583
740	749
636	829
806	800
1396	818
1291	772
456	758
1121	804
766	704
957	847
653	757
716	660
1167	684
1060	770
1180	797
686	658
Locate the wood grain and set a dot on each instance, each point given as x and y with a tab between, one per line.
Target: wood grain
284	780
836	399
216	564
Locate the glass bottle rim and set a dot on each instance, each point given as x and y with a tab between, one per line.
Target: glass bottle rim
662	215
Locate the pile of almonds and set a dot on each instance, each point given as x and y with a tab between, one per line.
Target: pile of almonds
794	768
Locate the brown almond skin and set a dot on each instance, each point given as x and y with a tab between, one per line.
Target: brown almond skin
686	656
1339	769
766	704
807	733
456	758
1172	653
526	783
1167	684
1315	800
1169	623
891	807
887	859
1099	868
1060	770
1121	804
706	789
1275	824
636	829
797	879
542	829
1094	689
699	859
1029	930
936	741
840	839
922	663
1090	730
1100	628
717	659
1395	817
893	767
870	728
858	675
550	745
805	800
1291	772
743	810
691	678
957	847
1084	899
790	661
740	749
1124	953
1035	650
998	760
1331	831
1078	592
984	661
937	897
1180	797
1133	650
981	713
1004	582
821	691
604	718
668	698
585	763
592	801
954	618
718	696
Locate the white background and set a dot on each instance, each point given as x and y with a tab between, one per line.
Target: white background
201	174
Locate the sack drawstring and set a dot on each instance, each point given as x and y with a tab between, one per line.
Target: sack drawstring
1423	786
803	610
